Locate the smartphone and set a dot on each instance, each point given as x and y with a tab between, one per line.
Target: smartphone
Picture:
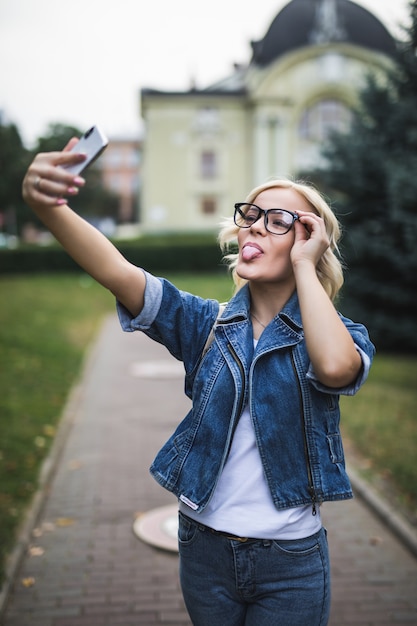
92	143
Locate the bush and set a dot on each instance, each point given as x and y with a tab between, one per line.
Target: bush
173	253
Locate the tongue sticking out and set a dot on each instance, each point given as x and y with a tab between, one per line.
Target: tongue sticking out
250	252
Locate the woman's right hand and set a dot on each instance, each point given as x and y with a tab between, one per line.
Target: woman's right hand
46	184
45	187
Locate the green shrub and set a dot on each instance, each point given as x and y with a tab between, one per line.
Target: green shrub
174	253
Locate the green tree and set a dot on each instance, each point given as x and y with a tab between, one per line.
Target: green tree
14	159
372	175
94	201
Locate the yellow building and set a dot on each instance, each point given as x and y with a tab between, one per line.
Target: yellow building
204	149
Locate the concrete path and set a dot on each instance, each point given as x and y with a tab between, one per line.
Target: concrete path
84	566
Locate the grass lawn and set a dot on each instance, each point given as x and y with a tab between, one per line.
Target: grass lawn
381	421
46	323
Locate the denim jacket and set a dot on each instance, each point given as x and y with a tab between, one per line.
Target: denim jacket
295	417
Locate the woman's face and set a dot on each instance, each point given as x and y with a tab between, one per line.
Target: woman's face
263	256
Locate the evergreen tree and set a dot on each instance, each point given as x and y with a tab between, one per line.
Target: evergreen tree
14	159
372	175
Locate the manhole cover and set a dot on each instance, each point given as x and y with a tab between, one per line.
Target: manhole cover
159	527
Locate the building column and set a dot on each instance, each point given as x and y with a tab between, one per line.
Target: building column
261	149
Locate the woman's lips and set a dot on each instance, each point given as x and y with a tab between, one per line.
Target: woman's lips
251	251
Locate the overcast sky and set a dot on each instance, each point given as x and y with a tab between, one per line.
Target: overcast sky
84	61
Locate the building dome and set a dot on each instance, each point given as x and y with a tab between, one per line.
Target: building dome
304	23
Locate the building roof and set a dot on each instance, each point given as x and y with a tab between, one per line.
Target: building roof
301	23
307	22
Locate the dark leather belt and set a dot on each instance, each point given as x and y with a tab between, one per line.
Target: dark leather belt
228	536
220	533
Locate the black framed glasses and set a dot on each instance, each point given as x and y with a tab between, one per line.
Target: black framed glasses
277	221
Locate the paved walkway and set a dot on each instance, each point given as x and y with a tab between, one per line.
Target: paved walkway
86	567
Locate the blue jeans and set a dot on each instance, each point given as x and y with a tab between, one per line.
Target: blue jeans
258	582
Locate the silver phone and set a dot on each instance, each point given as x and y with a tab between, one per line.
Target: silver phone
92	143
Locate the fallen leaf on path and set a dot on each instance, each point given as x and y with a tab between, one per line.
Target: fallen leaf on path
75	464
36	551
375	541
64	521
45	527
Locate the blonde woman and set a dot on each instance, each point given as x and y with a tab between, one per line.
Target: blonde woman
260	450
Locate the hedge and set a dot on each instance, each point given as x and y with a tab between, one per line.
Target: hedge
199	254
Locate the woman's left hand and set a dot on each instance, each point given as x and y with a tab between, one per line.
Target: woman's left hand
311	240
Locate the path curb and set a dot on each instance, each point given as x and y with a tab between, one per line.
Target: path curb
402	529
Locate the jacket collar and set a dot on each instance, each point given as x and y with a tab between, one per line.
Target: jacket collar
239	309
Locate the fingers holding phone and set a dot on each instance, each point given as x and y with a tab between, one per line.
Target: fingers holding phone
46	182
55	175
91	144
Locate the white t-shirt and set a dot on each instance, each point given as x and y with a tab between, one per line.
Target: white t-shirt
242	503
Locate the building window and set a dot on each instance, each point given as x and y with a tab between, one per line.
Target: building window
319	120
207	120
208	164
208	206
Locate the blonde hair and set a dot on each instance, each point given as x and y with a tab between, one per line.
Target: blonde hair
329	268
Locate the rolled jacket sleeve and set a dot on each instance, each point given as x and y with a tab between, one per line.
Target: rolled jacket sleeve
351	389
152	299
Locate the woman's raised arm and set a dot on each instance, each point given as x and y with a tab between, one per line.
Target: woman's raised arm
46	188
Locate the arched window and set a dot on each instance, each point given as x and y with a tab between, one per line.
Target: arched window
325	116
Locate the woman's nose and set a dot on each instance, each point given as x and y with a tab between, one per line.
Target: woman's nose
259	226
